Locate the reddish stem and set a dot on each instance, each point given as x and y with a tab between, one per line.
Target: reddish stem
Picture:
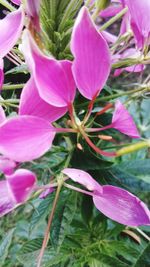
108	106
71	113
90	107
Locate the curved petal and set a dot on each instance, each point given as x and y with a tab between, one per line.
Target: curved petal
111	11
32	104
7	165
2	115
123	121
54	80
15	190
7	201
122	206
21	183
139	11
91	66
83	178
25	138
16	2
11	27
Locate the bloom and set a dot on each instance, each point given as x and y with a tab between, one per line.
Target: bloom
114	202
50	92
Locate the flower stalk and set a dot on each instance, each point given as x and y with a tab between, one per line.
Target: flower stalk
46	236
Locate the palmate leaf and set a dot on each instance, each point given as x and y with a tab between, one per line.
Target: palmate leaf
41	211
63	217
143	258
134	174
103	260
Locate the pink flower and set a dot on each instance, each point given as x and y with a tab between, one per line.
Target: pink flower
140	23
90	68
114	202
15	190
131	53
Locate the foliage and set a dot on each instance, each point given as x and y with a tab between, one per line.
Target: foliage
80	235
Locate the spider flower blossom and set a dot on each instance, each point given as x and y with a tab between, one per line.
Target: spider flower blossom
90	68
15	190
51	90
140	23
114	202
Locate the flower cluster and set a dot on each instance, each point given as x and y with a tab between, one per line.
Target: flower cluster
49	94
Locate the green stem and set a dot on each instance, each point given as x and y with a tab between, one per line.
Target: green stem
46	236
106	98
133	148
9	101
13	86
143	234
114	19
7	5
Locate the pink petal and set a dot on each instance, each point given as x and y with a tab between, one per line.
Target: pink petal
11	27
21	183
2	115
123	121
46	192
83	178
33	8
7	166
109	37
16	2
25	138
7	201
122	206
139	11
91	66
32	104
1	73
54	80
15	190
110	11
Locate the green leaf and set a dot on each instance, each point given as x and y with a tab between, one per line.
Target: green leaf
63	217
88	161
144	257
87	208
4	246
42	210
139	168
131	181
103	260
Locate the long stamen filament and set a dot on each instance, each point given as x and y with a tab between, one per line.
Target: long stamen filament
93	146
